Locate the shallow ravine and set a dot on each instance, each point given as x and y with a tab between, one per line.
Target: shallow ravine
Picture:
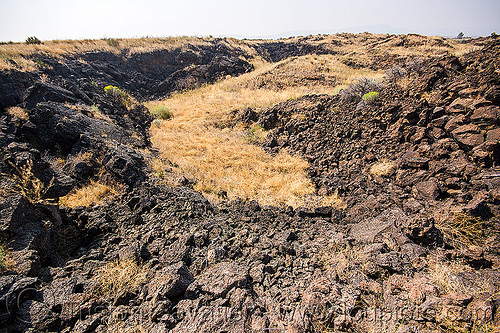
206	142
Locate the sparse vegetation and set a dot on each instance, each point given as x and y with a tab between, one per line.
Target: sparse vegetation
370	97
95	193
5	261
26	183
455	276
120	96
383	168
33	40
119	277
161	112
343	260
463	230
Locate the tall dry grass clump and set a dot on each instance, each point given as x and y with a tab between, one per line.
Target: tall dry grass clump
26	183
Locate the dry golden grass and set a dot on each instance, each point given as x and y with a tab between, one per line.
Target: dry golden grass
383	168
118	277
224	159
311	73
94	193
453	276
6	263
360	46
444	275
222	162
18	112
19	53
463	230
26	183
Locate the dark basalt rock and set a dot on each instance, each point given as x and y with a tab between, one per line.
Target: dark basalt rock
44	92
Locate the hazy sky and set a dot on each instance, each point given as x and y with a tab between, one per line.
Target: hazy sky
75	19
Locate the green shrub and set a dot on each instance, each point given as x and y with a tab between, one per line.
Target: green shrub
33	40
161	112
370	97
119	95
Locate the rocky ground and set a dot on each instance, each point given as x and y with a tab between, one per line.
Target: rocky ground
416	249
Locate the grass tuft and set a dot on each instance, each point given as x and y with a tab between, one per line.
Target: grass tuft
26	183
94	193
344	260
5	261
18	112
119	277
455	276
383	168
463	230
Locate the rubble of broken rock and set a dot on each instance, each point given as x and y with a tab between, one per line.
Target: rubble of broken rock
383	264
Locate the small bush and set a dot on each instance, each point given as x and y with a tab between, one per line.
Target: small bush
355	91
119	95
395	73
370	97
33	40
417	65
462	230
162	112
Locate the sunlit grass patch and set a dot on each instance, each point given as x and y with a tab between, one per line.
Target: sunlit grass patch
94	193
223	158
119	277
382	168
